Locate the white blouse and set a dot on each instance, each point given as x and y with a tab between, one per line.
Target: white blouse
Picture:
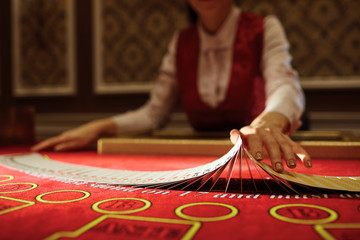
282	88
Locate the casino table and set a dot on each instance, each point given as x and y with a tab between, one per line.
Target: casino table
45	207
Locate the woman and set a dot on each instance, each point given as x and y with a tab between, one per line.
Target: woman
231	70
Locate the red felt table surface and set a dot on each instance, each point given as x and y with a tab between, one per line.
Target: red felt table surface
325	167
34	207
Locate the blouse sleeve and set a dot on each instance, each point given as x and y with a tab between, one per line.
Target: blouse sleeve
155	112
283	90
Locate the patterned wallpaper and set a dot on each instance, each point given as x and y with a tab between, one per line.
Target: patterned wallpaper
324	34
43	47
131	37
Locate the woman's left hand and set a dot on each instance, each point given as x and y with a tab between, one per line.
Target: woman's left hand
264	136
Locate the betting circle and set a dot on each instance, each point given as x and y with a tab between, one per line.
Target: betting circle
40	197
332	214
33	185
233	212
9	177
146	203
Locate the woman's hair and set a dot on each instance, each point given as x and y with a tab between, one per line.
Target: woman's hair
192	15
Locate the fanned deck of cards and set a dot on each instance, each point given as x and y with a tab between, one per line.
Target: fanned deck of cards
207	174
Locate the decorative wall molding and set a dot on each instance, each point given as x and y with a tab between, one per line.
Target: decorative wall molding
51	124
43	47
338	121
333	82
48	125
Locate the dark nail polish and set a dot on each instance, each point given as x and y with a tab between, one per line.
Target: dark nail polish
258	156
308	164
292	163
279	167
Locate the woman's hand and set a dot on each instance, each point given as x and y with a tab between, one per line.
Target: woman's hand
265	136
79	137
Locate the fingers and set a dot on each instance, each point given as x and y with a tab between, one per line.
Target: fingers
70	145
278	145
286	149
59	143
253	141
257	138
234	136
255	145
62	142
273	149
300	152
49	143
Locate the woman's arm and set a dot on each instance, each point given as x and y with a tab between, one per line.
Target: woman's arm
152	115
267	134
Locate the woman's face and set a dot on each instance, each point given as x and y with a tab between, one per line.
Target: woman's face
209	7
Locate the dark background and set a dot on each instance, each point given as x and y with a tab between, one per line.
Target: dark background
343	100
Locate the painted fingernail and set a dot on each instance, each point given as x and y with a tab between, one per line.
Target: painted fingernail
292	163
259	156
308	164
58	148
279	167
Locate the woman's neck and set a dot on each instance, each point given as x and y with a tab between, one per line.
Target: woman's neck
212	23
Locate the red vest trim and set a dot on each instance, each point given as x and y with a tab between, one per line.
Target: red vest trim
245	97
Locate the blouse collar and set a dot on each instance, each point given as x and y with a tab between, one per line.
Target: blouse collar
224	37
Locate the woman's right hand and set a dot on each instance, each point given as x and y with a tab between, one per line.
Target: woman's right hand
79	137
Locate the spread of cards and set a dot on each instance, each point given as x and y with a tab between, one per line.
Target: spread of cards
37	164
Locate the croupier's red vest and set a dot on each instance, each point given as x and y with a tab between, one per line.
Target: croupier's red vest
245	97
